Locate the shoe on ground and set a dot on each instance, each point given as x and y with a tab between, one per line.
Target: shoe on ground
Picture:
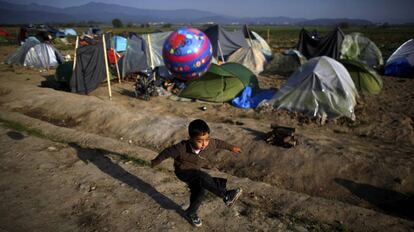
193	219
232	196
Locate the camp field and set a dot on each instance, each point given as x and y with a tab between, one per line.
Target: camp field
387	38
81	161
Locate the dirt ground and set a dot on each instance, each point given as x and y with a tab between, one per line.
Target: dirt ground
366	165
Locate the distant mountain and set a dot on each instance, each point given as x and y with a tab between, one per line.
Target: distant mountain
11	13
328	22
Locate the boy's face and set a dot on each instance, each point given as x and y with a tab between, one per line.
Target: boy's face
200	142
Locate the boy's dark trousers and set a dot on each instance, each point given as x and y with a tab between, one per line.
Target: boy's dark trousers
199	181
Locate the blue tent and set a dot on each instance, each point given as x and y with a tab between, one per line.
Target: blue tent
248	100
69	31
119	43
401	62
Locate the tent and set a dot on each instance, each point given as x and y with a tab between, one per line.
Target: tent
311	45
284	64
154	43
365	78
119	43
3	39
54	32
4	33
359	48
35	54
247	99
225	42
90	69
251	57
220	83
253	39
135	57
70	32
401	62
322	87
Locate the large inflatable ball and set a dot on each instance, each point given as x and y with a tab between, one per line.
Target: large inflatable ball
187	53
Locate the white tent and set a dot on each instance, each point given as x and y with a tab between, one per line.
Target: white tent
258	42
322	87
251	57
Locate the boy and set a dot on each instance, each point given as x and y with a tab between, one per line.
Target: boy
189	157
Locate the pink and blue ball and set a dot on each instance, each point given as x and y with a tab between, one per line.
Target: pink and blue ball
187	53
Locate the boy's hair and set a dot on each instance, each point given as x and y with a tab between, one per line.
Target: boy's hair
198	127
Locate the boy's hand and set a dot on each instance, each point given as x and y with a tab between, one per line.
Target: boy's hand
236	150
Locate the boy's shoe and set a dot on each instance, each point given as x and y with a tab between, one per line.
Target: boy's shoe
193	219
232	196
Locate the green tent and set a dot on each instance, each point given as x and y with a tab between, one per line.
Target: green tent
364	77
221	83
3	39
359	48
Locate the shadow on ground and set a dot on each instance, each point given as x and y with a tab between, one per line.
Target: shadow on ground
388	201
98	158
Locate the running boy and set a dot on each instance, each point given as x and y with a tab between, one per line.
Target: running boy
189	157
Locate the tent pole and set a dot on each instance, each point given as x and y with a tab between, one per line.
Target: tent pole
268	36
117	67
74	57
123	63
116	61
250	38
47	58
150	53
222	91
221	51
106	67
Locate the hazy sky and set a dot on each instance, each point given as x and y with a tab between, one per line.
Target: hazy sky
375	10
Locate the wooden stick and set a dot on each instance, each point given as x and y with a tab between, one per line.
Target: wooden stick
47	57
150	53
116	65
250	38
106	67
268	36
123	63
74	57
220	51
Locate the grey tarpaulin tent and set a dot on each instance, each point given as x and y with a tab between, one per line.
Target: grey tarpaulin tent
90	69
154	43
35	54
135	58
225	42
322	87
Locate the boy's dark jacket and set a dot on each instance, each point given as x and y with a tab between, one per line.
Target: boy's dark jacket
185	159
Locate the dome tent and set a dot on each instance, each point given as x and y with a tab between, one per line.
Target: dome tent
251	58
322	86
365	78
37	55
221	83
357	47
401	62
70	32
